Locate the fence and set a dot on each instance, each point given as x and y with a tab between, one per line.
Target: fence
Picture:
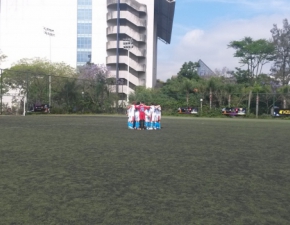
21	91
255	103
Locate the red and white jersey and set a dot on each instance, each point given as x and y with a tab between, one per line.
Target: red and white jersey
142	109
131	110
131	113
136	115
158	112
152	109
147	115
154	114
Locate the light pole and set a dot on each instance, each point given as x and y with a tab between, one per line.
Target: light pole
128	44
117	52
83	93
1	84
121	82
201	106
50	33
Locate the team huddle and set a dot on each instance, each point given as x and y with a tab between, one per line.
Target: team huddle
144	117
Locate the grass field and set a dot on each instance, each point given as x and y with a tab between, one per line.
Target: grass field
93	170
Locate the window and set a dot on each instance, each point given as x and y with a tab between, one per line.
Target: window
84	14
83	56
84	28
84	2
84	42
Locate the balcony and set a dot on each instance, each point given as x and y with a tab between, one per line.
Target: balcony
135	5
128	16
128	31
124	59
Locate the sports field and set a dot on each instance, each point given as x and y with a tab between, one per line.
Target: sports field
92	170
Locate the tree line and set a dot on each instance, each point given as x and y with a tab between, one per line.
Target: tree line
90	88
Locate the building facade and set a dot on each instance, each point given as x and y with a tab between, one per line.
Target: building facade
90	31
84	31
131	30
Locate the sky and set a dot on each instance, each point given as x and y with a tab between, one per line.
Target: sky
202	29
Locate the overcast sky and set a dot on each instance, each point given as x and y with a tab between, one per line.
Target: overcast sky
202	29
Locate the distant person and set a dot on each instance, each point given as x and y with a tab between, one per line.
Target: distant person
141	108
147	118
131	115
155	116
136	117
158	117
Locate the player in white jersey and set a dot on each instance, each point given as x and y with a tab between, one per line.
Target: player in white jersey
151	113
158	117
137	118
147	118
155	117
131	115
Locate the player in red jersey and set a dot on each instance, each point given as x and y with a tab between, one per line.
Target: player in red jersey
141	108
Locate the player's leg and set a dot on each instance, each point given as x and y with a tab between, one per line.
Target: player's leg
130	122
158	124
137	121
141	124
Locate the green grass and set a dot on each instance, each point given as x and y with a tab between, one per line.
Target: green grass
93	170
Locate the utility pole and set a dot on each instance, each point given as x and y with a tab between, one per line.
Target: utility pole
128	44
117	52
1	83
50	33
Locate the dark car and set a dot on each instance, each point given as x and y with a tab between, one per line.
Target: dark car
188	110
281	112
43	108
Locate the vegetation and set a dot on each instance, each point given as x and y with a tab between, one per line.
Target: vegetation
281	41
239	88
90	89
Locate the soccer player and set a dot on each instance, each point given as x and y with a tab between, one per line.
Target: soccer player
158	117
152	115
147	118
131	115
137	116
141	108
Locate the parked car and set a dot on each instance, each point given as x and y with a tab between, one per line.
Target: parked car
43	108
234	111
280	112
188	110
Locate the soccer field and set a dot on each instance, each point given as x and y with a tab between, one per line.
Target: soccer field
93	170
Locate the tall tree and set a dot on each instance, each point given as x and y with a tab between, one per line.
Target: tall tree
189	70
281	41
253	54
94	79
31	76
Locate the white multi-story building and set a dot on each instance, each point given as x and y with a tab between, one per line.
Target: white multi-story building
100	30
140	21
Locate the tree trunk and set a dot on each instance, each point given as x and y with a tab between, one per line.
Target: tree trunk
210	98
257	105
249	102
